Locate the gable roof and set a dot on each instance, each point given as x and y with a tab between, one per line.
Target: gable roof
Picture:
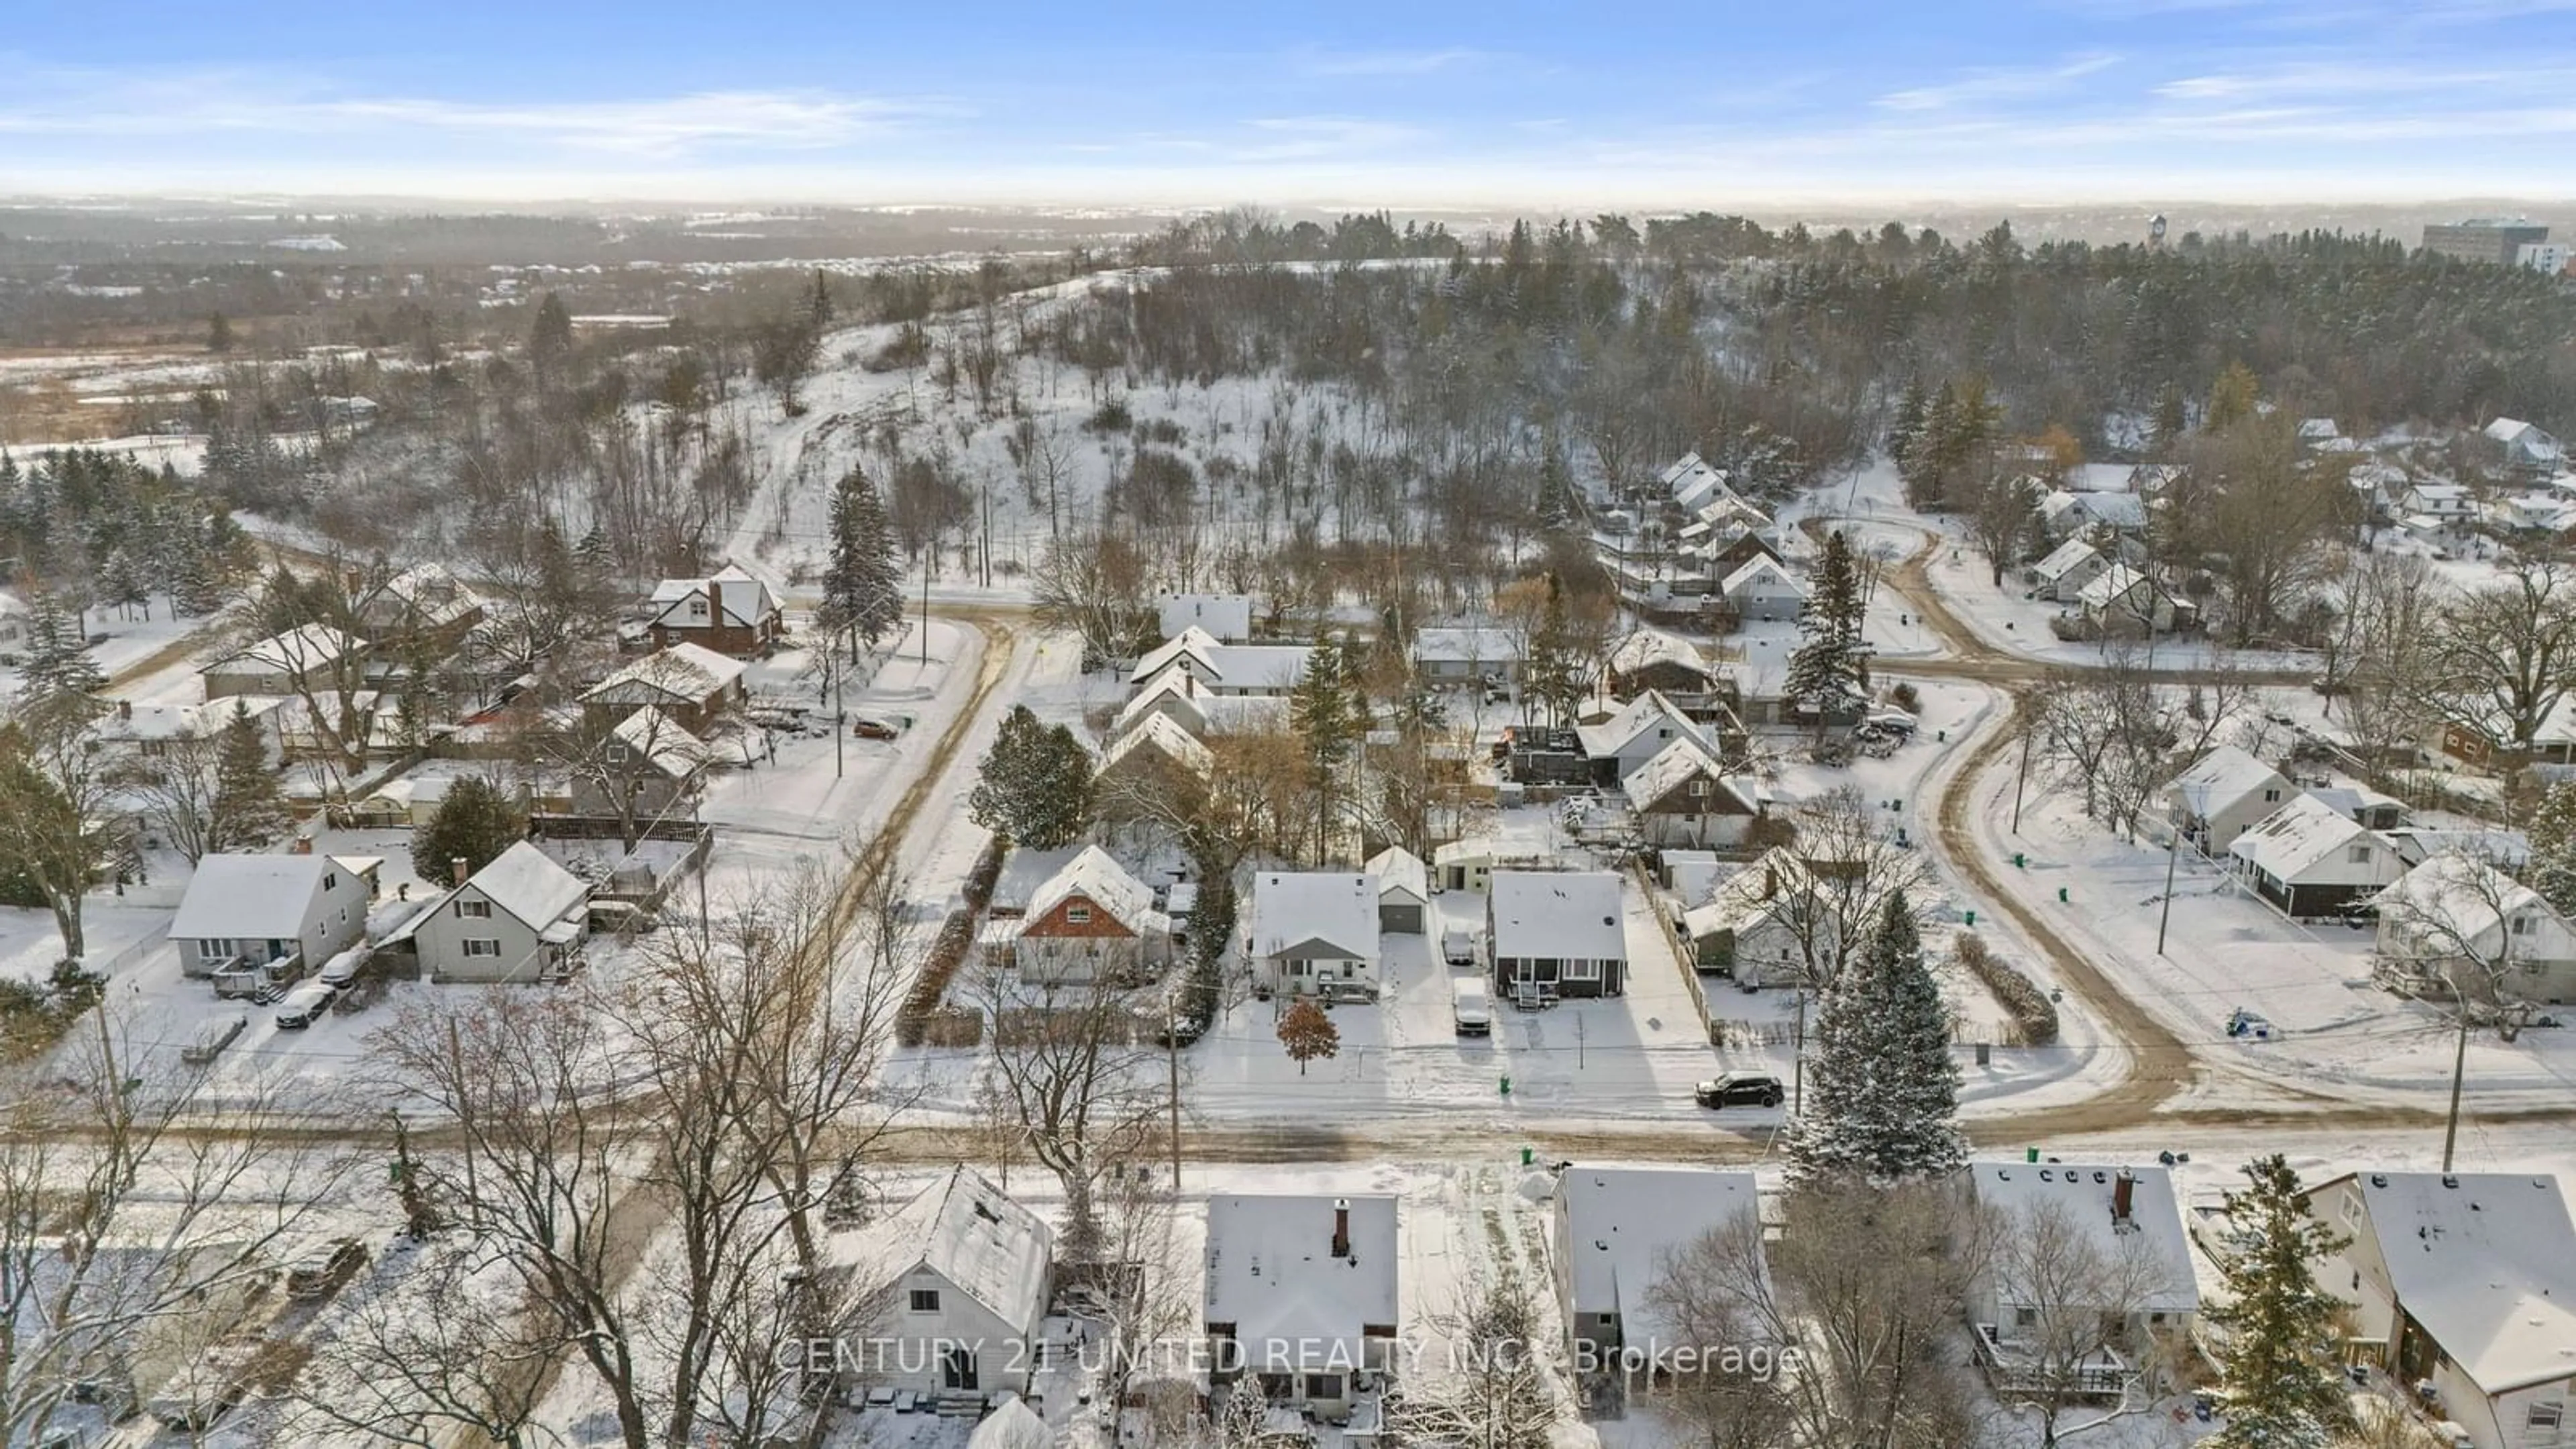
745	607
311	646
1173	689
1648	711
1094	875
1755	892
429	592
989	1247
658	740
2111	586
1622	1224
1565	915
1222	616
1160	732
1271	1272
1646	645
682	672
2298	836
2221	778
1235	666
2456	894
1338	908
1398	869
2064	559
1677	762
250	897
1754	570
530	885
2486	1263
2089	1191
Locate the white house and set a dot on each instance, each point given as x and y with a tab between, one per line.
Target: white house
1557	933
2068	514
2465	1282
1226	618
2457	915
1642	728
1222	668
692	684
2130	1219
2310	862
2447	503
1466	654
1761	590
2224	793
521	918
1089	918
2121	600
259	909
1153	756
1616	1229
314	656
1301	1293
1403	891
1315	932
950	1290
1754	925
2525	446
2071	565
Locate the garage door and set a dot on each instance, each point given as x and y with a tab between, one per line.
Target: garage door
1403	919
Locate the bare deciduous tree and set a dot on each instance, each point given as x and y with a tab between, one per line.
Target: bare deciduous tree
2082	1313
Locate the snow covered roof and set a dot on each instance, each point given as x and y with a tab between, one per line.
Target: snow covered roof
1623	1223
2119	510
1023	872
2101	477
683	672
2437	492
1159	731
1647	646
2090	1191
1272	1274
1564	915
2064	559
2319	429
313	646
747	600
2458	893
1236	666
1012	1426
658	740
250	897
2297	837
2353	799
2485	1263
1753	893
1291	907
1221	616
1094	875
429	593
2510	849
1760	569
2221	778
2110	586
989	1247
1177	686
1398	869
1648	711
529	885
1675	763
2514	430
1483	644
146	720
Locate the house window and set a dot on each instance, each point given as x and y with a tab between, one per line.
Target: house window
474	910
2271	797
2522	925
330	881
482	946
2352	1209
957	1367
2545	1414
1329	1386
1077	915
2358	855
1699	787
2025	1317
214	950
925	1300
697	608
1582	970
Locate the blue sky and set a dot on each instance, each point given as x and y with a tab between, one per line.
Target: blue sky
1645	103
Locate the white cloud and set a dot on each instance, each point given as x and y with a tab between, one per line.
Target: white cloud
1998	84
1385	62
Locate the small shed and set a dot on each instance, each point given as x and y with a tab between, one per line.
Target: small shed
1403	890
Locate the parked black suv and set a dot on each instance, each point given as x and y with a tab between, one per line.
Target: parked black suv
1742	1089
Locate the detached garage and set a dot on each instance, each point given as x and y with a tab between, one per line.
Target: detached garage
1403	891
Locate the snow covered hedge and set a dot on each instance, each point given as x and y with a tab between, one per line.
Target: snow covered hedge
2034	1016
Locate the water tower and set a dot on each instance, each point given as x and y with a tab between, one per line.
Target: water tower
2156	232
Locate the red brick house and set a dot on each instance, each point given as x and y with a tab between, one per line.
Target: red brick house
729	612
1089	919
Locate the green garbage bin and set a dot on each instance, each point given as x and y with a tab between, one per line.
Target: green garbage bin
1528	1155
2061	895
1507	1086
1972	918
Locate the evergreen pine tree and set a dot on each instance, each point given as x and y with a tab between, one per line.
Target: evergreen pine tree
550	339
219	333
1882	1092
475	823
862	589
57	661
1905	430
2285	1385
2231	398
248	810
1831	663
592	553
2552	871
1034	785
2170	422
1324	711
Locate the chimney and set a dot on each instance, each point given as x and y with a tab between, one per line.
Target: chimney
2124	1190
1341	1227
715	602
125	709
456	867
303	845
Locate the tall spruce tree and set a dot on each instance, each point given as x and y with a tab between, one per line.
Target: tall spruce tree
1326	712
1882	1092
475	823
2285	1384
862	587
1034	785
550	340
57	661
1831	663
248	809
2552	869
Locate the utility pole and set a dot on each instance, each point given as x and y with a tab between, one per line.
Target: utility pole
2459	1070
927	555
2024	778
1798	1057
840	713
2173	847
1172	1055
